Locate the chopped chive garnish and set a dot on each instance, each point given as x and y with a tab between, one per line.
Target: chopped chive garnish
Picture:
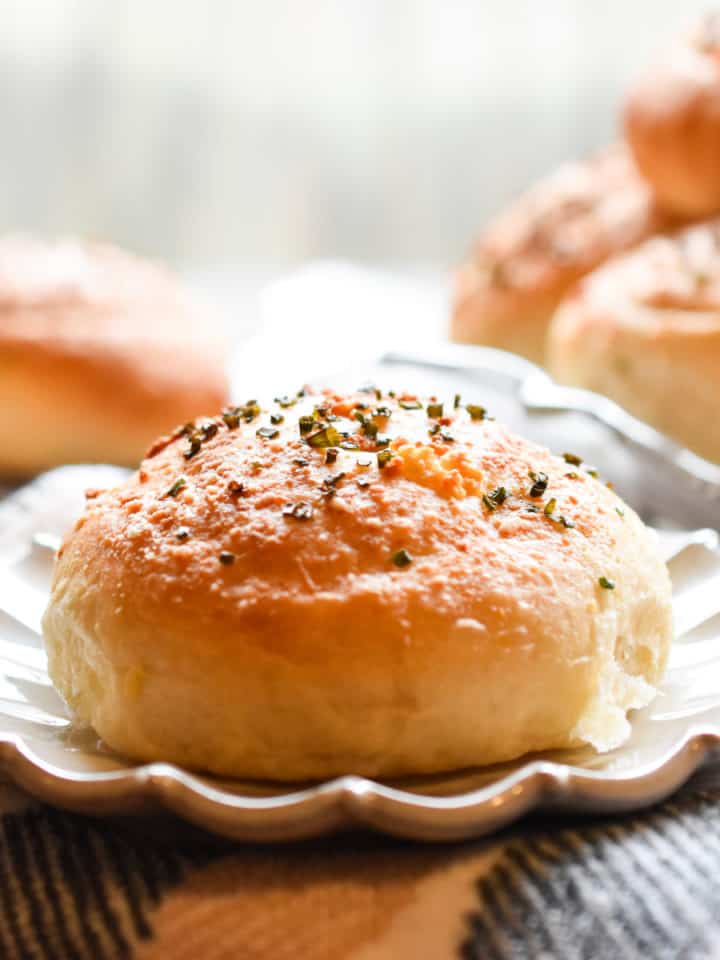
226	558
410	404
325	437
300	511
401	558
285	402
540	482
268	433
549	509
175	489
456	400
435	410
606	584
476	411
331	455
572	458
382	440
620	512
276	418
306	424
182	533
383	458
495	498
446	436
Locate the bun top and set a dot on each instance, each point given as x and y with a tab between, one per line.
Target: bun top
69	291
566	224
675	273
318	503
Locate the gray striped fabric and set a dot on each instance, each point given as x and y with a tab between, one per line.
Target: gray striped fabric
644	886
640	886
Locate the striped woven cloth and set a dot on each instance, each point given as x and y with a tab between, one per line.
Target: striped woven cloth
644	885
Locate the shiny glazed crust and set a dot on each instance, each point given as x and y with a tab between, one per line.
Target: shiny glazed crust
672	123
645	331
533	253
99	352
243	606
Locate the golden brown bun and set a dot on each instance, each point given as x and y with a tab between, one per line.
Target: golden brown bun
672	123
530	256
99	352
645	330
260	620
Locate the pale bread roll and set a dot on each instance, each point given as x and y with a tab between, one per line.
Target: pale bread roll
100	352
532	254
672	123
645	330
252	605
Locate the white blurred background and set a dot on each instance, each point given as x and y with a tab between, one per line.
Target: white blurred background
235	131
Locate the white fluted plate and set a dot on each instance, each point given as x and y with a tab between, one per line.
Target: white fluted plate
44	753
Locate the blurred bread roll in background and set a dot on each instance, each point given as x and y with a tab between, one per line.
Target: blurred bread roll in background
529	257
361	583
645	330
100	351
672	123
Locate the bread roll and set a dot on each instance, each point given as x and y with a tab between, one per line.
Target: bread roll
672	123
429	592
530	256
99	352
645	330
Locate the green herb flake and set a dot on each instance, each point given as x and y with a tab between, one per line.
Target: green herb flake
267	433
231	416
495	498
446	436
285	402
401	558
434	429
383	458
572	475
549	509
382	440
619	511
331	455
175	489
383	412
540	483
476	411
456	401
182	534
329	484
606	584
306	424
300	511
324	437
410	404
276	418
435	410
572	458
226	558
